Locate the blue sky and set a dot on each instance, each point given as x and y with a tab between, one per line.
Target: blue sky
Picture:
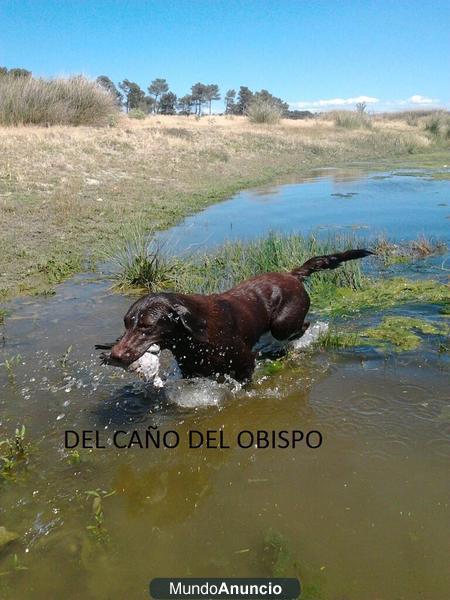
313	54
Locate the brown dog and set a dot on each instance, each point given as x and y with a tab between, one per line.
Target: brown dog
214	335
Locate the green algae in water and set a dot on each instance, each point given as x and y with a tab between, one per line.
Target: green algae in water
335	338
272	367
382	293
400	332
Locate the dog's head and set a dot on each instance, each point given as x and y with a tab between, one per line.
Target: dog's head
162	319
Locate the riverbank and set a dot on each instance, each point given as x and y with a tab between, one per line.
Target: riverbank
66	192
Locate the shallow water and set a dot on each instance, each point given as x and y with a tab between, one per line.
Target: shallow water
363	517
401	205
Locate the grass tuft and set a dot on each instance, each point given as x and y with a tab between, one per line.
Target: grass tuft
264	112
352	120
72	101
139	262
391	253
437	124
136	113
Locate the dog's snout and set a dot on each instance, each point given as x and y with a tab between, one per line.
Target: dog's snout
120	353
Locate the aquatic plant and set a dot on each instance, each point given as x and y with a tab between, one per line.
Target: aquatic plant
56	269
392	253
235	261
344	291
139	261
12	452
335	338
9	364
105	177
383	293
2	315
98	529
400	332
74	457
65	357
397	332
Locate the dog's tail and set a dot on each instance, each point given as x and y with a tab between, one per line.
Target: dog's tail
328	261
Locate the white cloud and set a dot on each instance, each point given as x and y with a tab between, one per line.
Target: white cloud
335	102
418	99
379	105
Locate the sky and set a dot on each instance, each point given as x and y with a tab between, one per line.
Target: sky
314	54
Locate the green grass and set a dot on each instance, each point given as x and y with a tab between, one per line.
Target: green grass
343	291
139	262
56	269
234	262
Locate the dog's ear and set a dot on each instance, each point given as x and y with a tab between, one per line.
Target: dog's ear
194	324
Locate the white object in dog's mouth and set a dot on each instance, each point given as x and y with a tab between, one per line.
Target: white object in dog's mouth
147	366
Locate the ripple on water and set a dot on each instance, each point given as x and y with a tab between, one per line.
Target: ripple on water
438	447
371	404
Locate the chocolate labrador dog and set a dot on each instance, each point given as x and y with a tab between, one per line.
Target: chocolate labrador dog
214	336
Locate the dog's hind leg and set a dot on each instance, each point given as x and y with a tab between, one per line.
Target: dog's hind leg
289	322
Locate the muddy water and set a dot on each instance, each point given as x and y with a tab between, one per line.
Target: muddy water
363	517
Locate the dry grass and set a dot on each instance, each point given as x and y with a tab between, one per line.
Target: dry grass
65	189
71	101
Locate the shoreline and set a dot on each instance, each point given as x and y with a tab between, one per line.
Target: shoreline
55	227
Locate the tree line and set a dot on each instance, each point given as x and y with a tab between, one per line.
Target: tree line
159	99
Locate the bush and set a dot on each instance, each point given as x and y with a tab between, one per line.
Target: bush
437	124
351	120
264	111
136	113
71	101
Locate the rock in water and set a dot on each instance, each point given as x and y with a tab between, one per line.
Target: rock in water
6	537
